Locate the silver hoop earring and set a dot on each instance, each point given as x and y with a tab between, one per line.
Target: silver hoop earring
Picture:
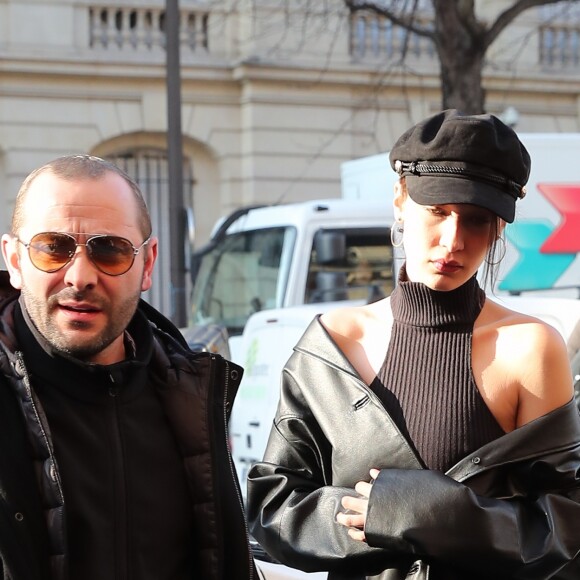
397	234
501	241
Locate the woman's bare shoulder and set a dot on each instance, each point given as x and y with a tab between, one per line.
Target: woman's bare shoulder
528	328
362	334
520	336
529	353
354	321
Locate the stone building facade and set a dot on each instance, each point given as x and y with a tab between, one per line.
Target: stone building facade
276	94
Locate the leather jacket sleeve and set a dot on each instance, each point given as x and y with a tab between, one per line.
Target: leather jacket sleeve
532	536
292	504
293	518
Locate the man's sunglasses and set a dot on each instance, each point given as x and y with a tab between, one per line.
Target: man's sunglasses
112	255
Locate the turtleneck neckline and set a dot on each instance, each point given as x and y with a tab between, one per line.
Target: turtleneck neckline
416	304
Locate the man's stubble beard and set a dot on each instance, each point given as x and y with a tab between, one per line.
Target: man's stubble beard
41	312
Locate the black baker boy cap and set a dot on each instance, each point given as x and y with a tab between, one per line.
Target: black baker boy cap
455	158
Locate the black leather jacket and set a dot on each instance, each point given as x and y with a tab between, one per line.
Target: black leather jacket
509	510
197	391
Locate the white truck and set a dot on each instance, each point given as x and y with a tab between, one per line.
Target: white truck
267	271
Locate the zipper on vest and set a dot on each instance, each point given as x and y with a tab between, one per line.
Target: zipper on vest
113	388
361	403
231	464
120	517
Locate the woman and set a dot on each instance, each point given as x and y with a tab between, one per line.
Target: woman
450	415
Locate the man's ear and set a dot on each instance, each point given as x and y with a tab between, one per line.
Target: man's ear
12	260
151	256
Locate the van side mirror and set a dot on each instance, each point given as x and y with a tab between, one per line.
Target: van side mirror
330	287
330	248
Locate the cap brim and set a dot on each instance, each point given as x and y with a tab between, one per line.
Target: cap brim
438	190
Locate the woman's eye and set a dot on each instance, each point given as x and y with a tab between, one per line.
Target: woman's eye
480	220
437	211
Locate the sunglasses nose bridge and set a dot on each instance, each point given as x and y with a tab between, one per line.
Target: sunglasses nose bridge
74	252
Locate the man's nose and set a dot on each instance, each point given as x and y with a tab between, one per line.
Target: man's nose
80	272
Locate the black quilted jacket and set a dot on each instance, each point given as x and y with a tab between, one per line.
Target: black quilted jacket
197	390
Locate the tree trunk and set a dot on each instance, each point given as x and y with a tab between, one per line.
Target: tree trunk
461	48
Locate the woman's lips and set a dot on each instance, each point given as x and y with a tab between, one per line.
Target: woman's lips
446	267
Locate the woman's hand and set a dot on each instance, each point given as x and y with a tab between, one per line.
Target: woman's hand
356	509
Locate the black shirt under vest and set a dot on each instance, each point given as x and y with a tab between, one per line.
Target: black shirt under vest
127	506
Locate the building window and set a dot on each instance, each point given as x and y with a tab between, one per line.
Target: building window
374	36
559	41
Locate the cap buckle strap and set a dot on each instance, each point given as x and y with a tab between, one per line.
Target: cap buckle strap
449	168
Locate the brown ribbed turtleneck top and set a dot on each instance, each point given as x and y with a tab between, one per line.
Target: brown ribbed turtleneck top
426	381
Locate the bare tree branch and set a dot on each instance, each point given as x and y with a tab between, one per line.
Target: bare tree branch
465	11
406	19
509	15
460	38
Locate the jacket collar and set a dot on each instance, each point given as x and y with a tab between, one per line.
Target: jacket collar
317	342
6	289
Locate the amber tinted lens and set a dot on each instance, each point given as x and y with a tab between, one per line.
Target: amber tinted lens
51	251
111	254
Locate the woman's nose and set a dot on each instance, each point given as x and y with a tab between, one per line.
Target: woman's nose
451	235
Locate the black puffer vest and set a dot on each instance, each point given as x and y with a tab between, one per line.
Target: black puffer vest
197	391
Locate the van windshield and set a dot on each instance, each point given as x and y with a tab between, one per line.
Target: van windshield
242	274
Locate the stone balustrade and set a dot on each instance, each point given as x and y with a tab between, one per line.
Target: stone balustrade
373	36
138	28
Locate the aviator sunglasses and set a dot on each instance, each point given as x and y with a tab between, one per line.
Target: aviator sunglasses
52	251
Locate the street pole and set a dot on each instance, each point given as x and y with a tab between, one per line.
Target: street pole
175	164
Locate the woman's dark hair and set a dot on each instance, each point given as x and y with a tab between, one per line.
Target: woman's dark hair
495	254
